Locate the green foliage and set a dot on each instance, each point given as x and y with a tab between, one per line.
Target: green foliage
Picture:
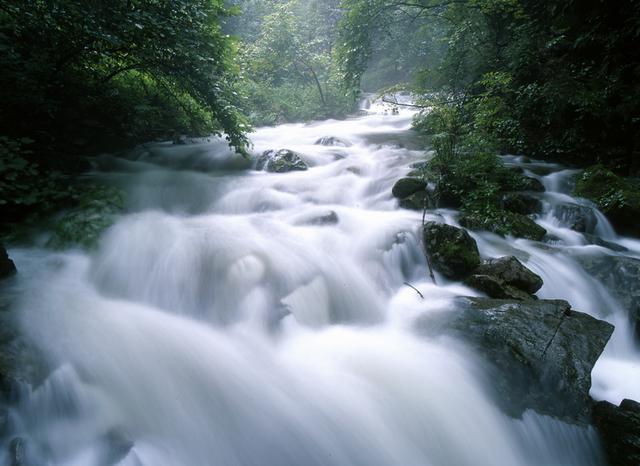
288	68
608	190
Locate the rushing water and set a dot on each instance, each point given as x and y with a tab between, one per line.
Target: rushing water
226	319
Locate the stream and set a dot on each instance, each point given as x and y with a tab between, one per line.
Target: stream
238	317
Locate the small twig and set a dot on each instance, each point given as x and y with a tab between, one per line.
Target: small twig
413	287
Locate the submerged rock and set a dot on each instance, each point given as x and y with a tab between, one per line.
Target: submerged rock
332	141
619	428
282	161
496	288
542	351
597	241
330	218
532	184
451	250
7	267
417	201
577	217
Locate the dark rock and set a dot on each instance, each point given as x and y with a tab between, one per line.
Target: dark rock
405	187
417	201
508	223
521	203
496	288
621	277
542	351
619	428
532	184
597	241
451	250
332	141
17	452
577	217
282	161
7	267
331	218
511	272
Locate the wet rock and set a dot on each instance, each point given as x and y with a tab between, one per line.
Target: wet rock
511	271
331	218
521	203
417	201
405	187
507	223
282	161
532	184
118	445
597	241
621	277
505	278
619	428
496	288
7	267
332	141
17	452
451	250
542	352
577	217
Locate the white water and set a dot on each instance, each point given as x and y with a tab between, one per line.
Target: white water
218	325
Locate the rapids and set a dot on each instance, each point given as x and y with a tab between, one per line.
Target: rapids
223	321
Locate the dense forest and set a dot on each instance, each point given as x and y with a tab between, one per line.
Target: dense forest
555	79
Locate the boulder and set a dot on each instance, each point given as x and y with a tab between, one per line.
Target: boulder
597	241
577	217
7	267
619	428
496	288
405	187
451	250
532	184
417	201
510	271
282	161
521	203
507	223
621	277
542	352
332	141
330	218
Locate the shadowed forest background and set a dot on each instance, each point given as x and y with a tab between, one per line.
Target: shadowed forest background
556	80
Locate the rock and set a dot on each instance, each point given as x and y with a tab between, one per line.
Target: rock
532	184
416	201
621	277
282	161
451	250
17	452
508	223
597	241
521	203
332	141
511	271
405	187
496	288
7	267
331	218
542	352
619	429
577	217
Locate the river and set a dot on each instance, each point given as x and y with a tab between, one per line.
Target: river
239	317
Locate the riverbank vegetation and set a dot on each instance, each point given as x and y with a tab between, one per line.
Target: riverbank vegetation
554	80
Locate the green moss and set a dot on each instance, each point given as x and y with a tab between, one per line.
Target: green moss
503	223
617	197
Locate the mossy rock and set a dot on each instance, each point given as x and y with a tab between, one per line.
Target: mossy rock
405	187
451	250
617	197
521	203
503	223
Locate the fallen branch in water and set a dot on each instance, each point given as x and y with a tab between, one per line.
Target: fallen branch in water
416	289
